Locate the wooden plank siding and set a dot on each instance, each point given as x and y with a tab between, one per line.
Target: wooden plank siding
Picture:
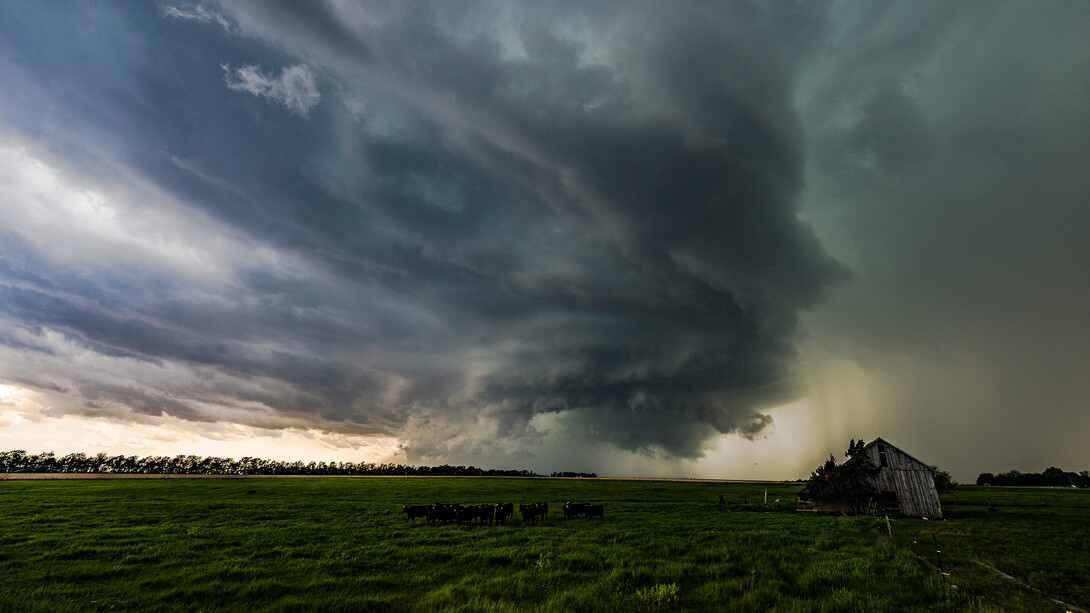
909	479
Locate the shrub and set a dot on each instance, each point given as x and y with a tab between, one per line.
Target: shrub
657	596
852	481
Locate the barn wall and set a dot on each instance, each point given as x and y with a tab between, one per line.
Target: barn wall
910	479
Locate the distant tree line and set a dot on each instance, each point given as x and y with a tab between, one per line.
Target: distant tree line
20	461
1051	476
571	474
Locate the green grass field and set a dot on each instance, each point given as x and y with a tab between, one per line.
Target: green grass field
301	544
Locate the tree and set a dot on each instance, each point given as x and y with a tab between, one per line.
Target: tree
1054	476
851	482
985	479
74	463
13	461
943	481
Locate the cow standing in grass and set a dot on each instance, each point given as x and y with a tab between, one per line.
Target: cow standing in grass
530	513
413	511
466	515
486	513
503	511
442	513
571	509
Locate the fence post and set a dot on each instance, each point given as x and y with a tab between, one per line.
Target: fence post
938	554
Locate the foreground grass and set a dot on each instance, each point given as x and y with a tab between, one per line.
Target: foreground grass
1040	536
342	544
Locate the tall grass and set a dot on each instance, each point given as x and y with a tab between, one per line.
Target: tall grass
1038	535
342	544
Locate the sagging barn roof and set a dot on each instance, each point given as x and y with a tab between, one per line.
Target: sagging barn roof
911	481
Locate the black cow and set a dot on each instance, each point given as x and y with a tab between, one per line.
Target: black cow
503	511
571	509
442	513
529	513
486	513
467	514
595	510
414	511
480	513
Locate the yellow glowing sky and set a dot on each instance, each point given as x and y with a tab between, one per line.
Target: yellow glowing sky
25	423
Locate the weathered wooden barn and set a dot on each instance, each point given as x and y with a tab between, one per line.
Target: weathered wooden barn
904	482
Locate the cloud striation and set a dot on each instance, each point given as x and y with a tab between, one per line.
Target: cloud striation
425	220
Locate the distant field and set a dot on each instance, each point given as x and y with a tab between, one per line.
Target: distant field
312	543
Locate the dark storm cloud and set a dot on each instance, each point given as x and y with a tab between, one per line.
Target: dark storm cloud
457	219
950	150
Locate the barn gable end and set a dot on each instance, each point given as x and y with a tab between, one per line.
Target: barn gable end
909	479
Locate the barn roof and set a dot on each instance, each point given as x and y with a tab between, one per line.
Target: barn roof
899	450
907	477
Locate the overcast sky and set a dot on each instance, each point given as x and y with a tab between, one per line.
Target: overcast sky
707	239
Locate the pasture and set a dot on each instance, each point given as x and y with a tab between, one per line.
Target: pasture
300	544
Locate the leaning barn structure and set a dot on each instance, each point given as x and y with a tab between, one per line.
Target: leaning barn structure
904	483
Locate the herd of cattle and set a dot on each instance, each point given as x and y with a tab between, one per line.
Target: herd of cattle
441	513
